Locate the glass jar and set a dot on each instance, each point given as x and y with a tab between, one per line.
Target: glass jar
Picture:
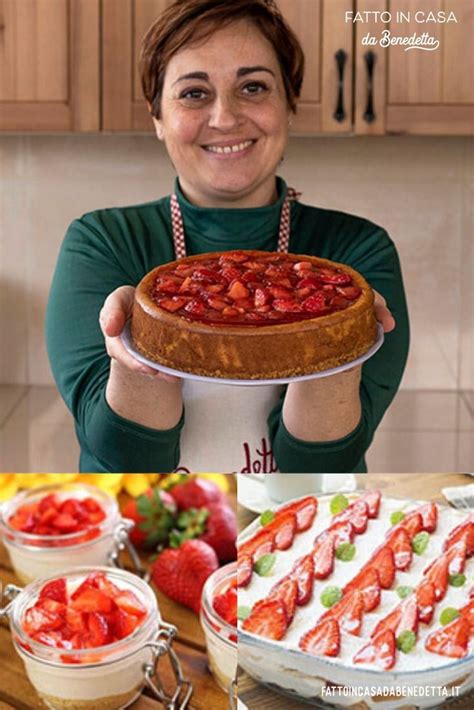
105	678
221	637
34	556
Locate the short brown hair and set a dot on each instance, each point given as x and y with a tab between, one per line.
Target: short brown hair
187	20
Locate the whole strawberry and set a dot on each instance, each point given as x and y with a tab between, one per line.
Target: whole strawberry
196	493
153	514
181	573
221	532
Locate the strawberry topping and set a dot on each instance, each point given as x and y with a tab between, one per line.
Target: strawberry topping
323	640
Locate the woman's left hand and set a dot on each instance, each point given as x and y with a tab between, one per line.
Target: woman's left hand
383	314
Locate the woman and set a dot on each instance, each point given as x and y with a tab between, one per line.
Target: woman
221	81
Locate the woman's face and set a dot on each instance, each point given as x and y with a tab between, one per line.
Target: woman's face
224	118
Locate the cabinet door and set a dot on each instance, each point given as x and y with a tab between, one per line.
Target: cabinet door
419	91
49	65
125	23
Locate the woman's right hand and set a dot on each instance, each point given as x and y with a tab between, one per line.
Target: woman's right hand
117	309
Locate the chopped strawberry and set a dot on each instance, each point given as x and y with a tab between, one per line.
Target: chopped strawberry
333	276
172	304
429	514
259	544
384	562
323	640
76	621
303	573
287	591
413	523
426	598
451	640
124	624
367	581
98	629
305	510
357	513
349	612
372	498
93	600
55	590
316	303
400	542
380	650
438	575
238	290
457	554
323	556
244	570
283	529
268	619
464	531
129	602
37	619
225	604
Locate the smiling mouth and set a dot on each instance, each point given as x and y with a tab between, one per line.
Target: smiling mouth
229	149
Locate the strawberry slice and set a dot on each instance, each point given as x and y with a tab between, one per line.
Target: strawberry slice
457	554
303	573
65	523
380	650
438	575
93	600
409	615
426	599
341	532
349	612
367	581
305	511
400	542
451	640
413	523
99	632
124	624
130	603
258	545
323	640
323	556
287	591
429	515
244	570
268	619
384	562
467	612
55	590
283	529
238	290
172	304
357	513
37	619
391	622
372	498
464	531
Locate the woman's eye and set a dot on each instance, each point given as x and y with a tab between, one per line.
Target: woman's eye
255	87
193	94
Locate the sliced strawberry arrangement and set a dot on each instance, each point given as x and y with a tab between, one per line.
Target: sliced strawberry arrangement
457	555
52	515
413	523
465	532
97	613
268	619
303	573
380	650
426	598
429	515
305	510
373	499
282	529
323	640
287	591
400	543
349	612
357	513
225	603
367	581
451	640
383	561
253	289
438	574
323	556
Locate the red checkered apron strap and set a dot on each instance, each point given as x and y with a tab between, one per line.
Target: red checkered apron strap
285	220
178	228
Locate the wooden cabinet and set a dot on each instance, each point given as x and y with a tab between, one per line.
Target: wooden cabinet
417	91
49	65
72	65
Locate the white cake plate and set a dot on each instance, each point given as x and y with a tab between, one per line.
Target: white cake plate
126	338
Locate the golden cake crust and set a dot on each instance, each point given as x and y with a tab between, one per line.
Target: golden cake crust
253	352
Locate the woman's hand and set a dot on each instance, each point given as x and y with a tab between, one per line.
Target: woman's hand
383	314
115	312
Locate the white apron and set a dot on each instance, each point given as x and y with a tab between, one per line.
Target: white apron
225	428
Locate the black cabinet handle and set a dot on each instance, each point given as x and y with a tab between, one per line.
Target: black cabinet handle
341	58
370	58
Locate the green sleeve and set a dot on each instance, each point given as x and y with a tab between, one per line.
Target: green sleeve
376	258
95	259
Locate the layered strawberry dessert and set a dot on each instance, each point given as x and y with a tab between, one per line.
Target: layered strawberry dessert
83	636
252	314
56	526
219	621
360	582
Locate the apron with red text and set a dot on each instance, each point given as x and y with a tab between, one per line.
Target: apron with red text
226	425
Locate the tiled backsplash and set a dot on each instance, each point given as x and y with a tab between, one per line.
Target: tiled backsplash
420	189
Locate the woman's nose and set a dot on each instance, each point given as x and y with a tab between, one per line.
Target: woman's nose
224	113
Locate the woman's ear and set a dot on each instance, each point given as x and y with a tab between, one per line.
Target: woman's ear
158	128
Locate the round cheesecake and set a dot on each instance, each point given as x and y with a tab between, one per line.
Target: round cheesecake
253	315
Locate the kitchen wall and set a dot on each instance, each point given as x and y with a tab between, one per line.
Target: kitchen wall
420	189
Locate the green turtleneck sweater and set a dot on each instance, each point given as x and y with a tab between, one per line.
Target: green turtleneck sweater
113	247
